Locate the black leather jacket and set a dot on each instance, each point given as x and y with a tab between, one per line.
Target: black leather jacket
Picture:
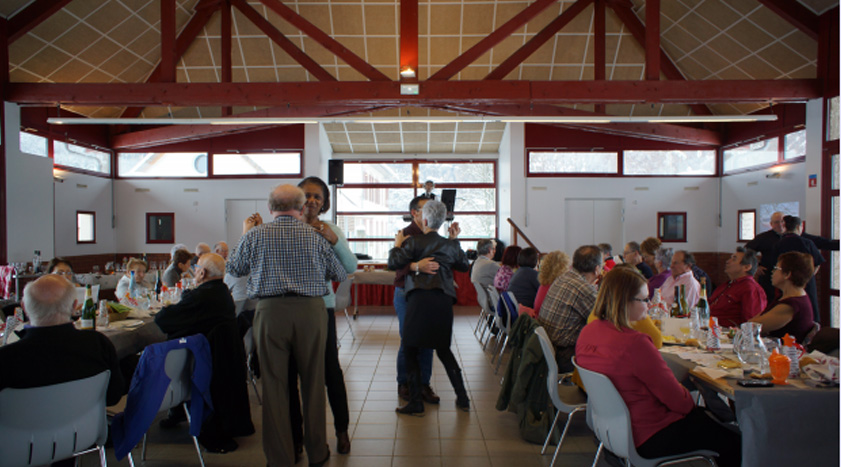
447	253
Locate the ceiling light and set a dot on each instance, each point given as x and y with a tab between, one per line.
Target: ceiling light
407	72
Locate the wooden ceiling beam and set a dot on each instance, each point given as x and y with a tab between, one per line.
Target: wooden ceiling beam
652	40
167	41
409	36
599	38
225	50
492	39
796	14
538	40
637	29
431	92
345	54
31	16
281	40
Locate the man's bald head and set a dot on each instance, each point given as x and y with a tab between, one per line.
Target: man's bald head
777	222
213	264
202	249
285	198
49	300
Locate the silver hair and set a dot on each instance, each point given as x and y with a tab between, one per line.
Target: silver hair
40	310
202	248
214	264
283	202
664	256
434	213
176	247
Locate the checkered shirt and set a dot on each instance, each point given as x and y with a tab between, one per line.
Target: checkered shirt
567	306
285	256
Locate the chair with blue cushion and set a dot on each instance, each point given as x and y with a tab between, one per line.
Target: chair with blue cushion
508	306
610	420
46	424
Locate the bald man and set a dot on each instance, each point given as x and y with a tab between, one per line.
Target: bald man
763	244
52	350
209	309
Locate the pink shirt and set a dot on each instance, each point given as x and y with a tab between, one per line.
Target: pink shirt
655	399
541	294
693	289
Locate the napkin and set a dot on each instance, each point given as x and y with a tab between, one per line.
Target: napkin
713	373
825	370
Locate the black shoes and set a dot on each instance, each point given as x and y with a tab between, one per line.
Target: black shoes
412	408
321	462
342	443
463	403
218	445
176	415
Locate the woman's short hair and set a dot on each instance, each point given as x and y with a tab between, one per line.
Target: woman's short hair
325	191
649	246
800	266
55	262
664	256
618	288
527	258
434	213
137	262
509	256
553	265
182	256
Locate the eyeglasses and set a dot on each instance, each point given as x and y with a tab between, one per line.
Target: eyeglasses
643	300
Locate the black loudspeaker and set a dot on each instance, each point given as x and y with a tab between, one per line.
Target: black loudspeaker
336	172
448	197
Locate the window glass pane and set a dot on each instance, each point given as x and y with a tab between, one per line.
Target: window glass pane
758	153
836	225
795	144
33	144
378	173
371	225
456	173
835	172
481	226
162	164
747	225
71	155
475	199
833	121
85	227
669	163
835	281
834	306
573	162
374	199
376	250
282	163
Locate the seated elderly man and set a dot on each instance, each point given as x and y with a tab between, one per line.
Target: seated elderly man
569	301
52	350
484	268
209	309
682	262
741	298
221	249
633	255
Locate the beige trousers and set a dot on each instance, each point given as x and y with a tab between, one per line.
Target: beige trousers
296	327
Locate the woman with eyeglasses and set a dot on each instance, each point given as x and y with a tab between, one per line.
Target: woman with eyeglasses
63	268
792	312
664	419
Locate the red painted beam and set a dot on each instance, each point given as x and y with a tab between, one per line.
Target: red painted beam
652	40
652	131
667	66
225	35
796	14
431	92
409	36
185	39
32	16
538	40
171	134
828	52
599	46
297	54
355	62
168	41
4	80
491	40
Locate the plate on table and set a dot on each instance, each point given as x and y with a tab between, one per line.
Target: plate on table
129	323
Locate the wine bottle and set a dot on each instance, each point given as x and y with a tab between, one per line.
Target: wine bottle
703	305
88	310
675	311
158	285
684	306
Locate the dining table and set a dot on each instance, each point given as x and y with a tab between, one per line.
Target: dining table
792	424
132	335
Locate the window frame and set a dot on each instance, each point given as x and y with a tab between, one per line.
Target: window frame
739	225
417	185
620	167
86	242
660	230
210	175
781	148
829	148
51	151
619	164
170	215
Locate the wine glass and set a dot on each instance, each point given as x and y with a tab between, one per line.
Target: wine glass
95	269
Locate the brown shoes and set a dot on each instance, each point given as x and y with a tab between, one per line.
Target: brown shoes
403	391
429	395
342	443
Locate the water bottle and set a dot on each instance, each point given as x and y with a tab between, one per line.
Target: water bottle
132	286
36	262
791	351
103	313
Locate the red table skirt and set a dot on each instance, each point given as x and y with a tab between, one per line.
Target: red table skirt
383	295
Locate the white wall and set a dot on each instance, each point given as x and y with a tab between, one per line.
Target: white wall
752	189
83	193
29	196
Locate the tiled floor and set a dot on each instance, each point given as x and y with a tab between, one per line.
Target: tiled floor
443	437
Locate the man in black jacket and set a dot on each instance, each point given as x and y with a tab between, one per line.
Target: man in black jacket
209	309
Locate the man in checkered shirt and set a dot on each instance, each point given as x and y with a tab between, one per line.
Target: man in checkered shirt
288	263
569	302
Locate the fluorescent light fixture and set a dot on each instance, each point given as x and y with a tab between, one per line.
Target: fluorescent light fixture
572	119
407	72
409	89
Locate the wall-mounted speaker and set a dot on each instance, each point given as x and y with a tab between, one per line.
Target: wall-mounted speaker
335	172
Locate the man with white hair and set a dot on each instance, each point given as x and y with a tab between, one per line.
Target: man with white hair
51	350
201	249
209	309
221	249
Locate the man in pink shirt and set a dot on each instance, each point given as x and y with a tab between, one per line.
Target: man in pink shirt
741	298
681	275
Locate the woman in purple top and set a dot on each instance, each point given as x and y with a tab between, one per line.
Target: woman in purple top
662	261
509	265
792	312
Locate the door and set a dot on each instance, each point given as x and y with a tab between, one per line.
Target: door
594	221
236	211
